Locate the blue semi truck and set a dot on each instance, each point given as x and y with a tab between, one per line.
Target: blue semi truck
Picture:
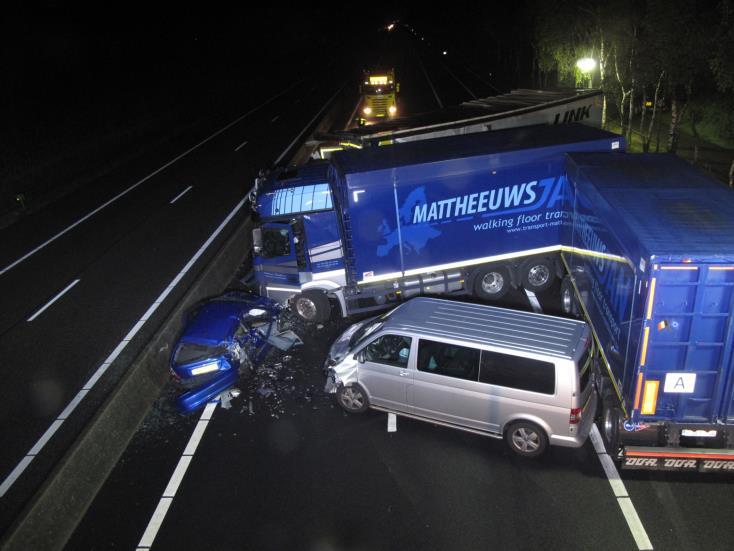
472	214
648	247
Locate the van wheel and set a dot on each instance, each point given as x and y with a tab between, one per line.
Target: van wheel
611	418
526	439
538	275
352	398
312	306
491	282
569	303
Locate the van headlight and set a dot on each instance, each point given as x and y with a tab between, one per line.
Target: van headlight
393	109
367	110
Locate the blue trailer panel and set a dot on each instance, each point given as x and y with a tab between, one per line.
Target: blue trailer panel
494	194
650	247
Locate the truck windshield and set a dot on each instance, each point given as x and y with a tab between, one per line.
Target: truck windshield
275	242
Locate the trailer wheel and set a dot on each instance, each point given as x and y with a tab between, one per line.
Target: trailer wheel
312	306
611	418
491	282
569	302
537	275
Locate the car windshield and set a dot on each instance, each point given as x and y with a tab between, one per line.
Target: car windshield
189	352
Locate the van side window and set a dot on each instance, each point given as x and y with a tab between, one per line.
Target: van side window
448	359
517	372
389	349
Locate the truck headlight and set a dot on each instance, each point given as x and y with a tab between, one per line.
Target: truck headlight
367	110
393	109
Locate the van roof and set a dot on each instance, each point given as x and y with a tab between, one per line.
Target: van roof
488	325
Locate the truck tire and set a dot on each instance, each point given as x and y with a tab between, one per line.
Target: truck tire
569	302
538	274
491	282
611	419
312	306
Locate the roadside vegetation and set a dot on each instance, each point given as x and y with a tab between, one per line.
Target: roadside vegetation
666	68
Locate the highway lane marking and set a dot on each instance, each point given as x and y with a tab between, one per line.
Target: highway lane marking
534	302
275	118
38	446
620	492
449	71
243	144
57	297
615	481
159	515
302	132
435	94
184	192
143	180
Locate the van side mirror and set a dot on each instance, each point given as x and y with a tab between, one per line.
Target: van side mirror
359	356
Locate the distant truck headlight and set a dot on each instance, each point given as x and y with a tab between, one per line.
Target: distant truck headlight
393	109
367	110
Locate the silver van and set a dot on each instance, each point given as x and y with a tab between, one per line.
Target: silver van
527	378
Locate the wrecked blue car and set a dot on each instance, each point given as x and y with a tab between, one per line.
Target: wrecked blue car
224	338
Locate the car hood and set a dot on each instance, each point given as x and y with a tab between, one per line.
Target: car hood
214	323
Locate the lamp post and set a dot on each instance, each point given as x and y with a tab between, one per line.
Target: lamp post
586	65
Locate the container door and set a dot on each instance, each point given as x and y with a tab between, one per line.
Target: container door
689	343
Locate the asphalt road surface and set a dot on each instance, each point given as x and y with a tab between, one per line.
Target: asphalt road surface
81	278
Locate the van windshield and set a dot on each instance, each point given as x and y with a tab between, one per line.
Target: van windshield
366	330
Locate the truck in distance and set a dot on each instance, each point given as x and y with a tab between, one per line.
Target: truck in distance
378	96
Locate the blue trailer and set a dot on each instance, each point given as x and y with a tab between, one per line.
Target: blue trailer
472	214
649	251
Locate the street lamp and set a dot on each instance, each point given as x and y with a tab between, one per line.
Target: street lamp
586	65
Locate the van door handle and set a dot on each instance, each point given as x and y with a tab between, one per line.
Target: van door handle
404	373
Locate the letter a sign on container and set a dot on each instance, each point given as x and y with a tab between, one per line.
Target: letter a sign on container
681	383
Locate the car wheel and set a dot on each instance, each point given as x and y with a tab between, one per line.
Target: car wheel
312	306
569	303
538	275
526	439
491	282
352	398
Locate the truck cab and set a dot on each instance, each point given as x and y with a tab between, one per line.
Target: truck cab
379	91
297	247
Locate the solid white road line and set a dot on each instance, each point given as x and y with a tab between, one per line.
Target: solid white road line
57	297
184	192
449	71
243	144
287	149
23	464
139	182
156	521
435	94
620	492
534	302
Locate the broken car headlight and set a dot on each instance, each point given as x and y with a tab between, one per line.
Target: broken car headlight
205	368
